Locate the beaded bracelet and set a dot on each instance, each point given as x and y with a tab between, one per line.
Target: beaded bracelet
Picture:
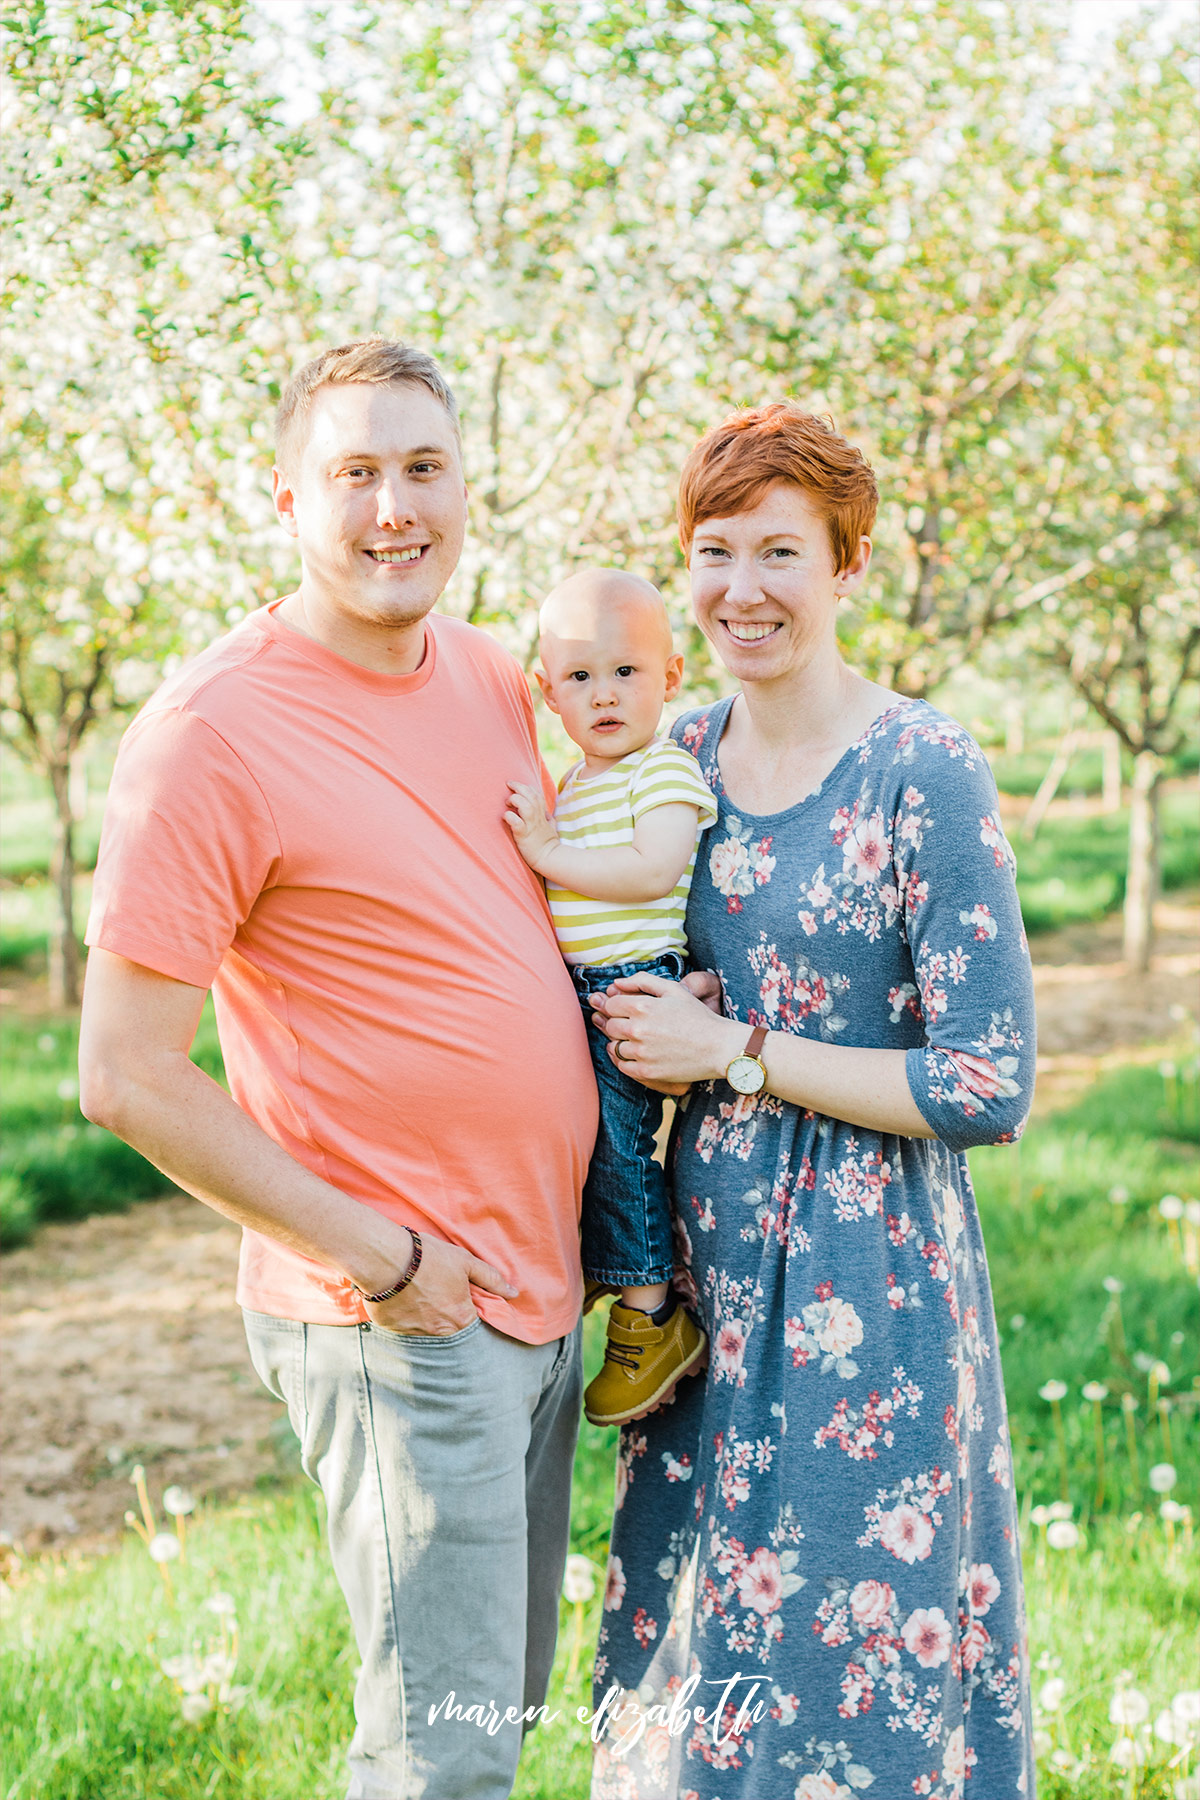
414	1265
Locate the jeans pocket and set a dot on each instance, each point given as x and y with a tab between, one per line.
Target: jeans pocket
423	1341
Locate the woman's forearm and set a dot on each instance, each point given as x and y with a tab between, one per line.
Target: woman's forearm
863	1087
665	1037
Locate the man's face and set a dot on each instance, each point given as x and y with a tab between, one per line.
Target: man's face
376	501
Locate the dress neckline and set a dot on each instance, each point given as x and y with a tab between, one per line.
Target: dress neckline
742	812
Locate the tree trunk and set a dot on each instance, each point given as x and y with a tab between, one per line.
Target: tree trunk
1141	880
1111	802
64	945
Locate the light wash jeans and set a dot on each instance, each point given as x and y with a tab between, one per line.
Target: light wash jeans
446	1469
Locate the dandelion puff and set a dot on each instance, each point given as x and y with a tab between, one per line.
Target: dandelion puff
1053	1390
175	1667
163	1547
1040	1515
178	1502
1017	1322
1164	1726
194	1707
1060	1509
1128	1707
1062	1535
1172	1513
1186	1706
1124	1753
1171	1207
1162	1477
1095	1391
1042	1742
1111	1284
579	1580
224	1605
1051	1695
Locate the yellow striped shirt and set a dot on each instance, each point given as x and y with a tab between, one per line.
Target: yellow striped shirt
599	812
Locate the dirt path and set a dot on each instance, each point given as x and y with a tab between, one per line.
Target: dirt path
122	1343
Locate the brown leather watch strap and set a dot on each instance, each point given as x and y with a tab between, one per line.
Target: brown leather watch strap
758	1038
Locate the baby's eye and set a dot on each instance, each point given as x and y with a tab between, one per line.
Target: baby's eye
625	669
578	675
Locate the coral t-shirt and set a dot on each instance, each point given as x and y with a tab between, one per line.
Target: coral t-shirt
325	847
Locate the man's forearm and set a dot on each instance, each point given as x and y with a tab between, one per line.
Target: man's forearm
190	1128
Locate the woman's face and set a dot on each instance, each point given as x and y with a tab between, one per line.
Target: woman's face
764	587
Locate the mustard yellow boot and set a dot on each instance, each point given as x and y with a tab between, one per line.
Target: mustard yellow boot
642	1361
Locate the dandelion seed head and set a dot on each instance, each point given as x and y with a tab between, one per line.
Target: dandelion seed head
1171	1512
1061	1534
1186	1706
1129	1403
1053	1390
178	1502
1017	1322
224	1605
47	1043
1060	1509
1191	1212
1159	1373
579	1580
1128	1707
1040	1515
1095	1391
163	1547
136	1474
1111	1283
1050	1697
1171	1206
1124	1753
1162	1478
194	1707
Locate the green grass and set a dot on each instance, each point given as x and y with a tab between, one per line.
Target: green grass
53	1163
1054	1238
80	1647
1074	870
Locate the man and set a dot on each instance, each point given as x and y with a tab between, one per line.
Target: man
309	819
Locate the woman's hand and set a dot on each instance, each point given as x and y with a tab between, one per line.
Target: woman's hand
662	1035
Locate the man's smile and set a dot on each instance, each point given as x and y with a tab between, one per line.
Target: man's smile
409	553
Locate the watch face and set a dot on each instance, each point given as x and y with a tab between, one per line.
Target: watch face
746	1075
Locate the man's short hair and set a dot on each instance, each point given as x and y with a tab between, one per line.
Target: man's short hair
374	361
735	463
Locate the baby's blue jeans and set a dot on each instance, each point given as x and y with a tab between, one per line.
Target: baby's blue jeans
626	1204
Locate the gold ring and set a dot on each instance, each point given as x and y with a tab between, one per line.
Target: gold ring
620	1048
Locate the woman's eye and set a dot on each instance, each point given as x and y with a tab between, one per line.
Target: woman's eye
781	550
625	669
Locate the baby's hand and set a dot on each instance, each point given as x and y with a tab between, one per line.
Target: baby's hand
531	826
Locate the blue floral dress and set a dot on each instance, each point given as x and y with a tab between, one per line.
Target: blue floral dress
816	1544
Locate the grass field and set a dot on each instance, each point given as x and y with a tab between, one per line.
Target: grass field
93	1716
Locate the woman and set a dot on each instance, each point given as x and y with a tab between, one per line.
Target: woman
818	1541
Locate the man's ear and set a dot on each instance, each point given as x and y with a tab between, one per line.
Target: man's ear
674	674
547	687
285	502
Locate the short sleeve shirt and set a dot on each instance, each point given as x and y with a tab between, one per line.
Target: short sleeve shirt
325	846
599	812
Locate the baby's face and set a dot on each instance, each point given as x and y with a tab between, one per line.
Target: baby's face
607	670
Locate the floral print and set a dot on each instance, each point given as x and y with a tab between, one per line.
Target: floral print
815	1588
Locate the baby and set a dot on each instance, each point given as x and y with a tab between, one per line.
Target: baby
617	859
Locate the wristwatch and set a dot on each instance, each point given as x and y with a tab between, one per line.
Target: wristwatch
747	1073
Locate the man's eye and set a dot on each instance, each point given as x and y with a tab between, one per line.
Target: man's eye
625	669
426	468
356	472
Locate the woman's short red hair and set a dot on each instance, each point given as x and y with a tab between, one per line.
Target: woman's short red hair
735	463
